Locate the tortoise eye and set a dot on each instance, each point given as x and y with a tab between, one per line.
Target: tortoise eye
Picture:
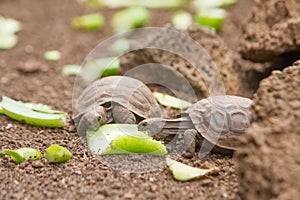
144	123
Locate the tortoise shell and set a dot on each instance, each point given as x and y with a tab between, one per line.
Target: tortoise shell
221	120
128	92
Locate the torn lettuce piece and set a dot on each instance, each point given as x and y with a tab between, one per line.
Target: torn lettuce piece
58	154
170	101
9	25
22	154
33	114
100	67
131	144
8	40
211	17
121	139
203	4
52	55
94	21
120	46
159	4
1	109
129	18
182	19
182	172
71	70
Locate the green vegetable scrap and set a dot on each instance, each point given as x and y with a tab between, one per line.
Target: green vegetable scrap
52	55
159	4
182	19
170	101
71	70
211	17
22	154
33	114
201	4
58	154
1	109
8	28
129	18
182	172
123	139
120	46
100	67
93	21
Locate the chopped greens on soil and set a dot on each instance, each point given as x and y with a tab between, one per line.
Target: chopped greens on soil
33	114
22	154
100	67
120	46
1	109
182	19
94	21
71	70
8	28
58	154
211	17
129	18
170	101
52	55
122	139
182	172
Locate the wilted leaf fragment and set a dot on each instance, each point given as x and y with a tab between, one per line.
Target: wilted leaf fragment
211	17
1	109
129	18
58	154
131	144
160	4
70	70
9	25
8	40
93	21
23	154
52	55
170	101
182	172
182	19
34	116
123	139
120	46
100	67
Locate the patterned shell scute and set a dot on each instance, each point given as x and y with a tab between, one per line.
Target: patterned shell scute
126	91
221	119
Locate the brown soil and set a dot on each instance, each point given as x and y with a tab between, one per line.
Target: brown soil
26	76
268	163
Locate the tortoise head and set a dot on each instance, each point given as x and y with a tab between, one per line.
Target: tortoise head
152	126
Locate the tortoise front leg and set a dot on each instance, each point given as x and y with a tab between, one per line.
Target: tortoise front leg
185	143
122	115
92	120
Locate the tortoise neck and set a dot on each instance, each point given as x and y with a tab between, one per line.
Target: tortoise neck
175	126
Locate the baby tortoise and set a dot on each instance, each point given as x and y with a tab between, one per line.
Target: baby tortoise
219	120
117	99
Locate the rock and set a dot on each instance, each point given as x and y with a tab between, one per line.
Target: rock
269	161
273	29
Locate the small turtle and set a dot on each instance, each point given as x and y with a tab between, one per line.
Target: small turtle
117	99
219	120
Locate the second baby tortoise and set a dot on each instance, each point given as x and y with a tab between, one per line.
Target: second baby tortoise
219	120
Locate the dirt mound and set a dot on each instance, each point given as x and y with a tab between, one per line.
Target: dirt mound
268	164
235	72
273	29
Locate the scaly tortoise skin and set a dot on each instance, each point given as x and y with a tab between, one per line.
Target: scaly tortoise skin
219	120
117	99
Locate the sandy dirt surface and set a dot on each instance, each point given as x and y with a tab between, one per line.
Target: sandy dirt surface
27	76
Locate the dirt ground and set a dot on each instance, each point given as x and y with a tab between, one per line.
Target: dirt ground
46	26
